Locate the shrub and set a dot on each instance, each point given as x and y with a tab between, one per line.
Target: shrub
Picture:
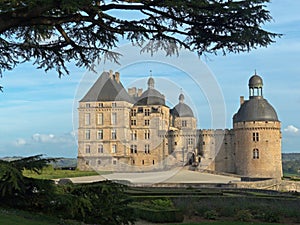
158	216
211	214
244	215
271	217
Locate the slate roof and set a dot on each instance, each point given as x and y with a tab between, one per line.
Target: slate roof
151	97
255	82
255	109
182	110
107	88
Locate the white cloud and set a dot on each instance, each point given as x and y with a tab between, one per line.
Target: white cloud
20	142
43	138
291	129
51	138
38	138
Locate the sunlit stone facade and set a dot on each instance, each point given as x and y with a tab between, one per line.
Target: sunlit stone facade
133	130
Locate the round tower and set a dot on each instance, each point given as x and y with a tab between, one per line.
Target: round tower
257	135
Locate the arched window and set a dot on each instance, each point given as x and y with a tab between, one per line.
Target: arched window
255	153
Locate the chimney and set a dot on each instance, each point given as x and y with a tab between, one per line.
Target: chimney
110	74
140	92
132	91
242	100
117	77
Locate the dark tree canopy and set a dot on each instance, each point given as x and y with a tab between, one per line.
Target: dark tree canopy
51	33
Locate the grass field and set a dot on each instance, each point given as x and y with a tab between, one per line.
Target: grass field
17	217
228	223
50	173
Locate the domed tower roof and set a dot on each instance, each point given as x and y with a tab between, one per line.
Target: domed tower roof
182	109
255	81
256	108
151	96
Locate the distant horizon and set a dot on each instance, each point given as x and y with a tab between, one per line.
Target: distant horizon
3	157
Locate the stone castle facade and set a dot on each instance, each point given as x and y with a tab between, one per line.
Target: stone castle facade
133	130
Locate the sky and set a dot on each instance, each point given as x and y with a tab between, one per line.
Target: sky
38	110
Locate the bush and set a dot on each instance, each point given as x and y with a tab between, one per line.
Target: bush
157	211
244	215
271	217
211	214
159	216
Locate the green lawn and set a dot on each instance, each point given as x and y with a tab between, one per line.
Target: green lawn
228	223
17	217
50	173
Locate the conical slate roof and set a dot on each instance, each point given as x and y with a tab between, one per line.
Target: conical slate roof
107	88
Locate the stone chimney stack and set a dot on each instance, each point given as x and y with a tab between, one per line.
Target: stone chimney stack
242	100
117	77
132	91
140	92
111	75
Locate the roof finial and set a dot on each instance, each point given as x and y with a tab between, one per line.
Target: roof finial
150	73
255	72
181	96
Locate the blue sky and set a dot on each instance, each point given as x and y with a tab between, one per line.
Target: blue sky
38	110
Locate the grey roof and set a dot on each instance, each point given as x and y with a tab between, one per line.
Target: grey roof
182	110
151	97
255	109
107	88
255	82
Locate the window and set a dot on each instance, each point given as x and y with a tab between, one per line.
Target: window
87	119
114	162
133	162
133	149
114	148
114	118
255	153
100	134
133	112
147	149
114	134
143	162
88	149
190	141
255	136
183	123
133	122
147	112
147	134
87	135
100	148
114	105
140	109
203	143
100	118
153	161
100	105
99	161
87	105
133	135
147	122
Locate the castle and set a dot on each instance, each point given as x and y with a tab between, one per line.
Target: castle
135	130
